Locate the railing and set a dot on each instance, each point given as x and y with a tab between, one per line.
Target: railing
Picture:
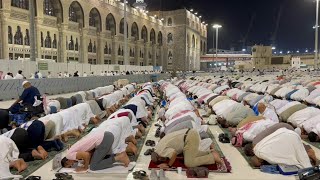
11	89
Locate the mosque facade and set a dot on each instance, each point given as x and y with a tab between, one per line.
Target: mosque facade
92	31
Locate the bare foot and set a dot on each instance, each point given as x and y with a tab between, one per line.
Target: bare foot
141	128
43	152
37	155
64	138
131	148
131	139
217	157
138	135
20	165
123	158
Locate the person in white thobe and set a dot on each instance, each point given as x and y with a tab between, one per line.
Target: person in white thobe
9	154
268	112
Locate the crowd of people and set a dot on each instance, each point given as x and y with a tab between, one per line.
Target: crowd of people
119	116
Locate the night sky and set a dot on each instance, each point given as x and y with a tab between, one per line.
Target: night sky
295	29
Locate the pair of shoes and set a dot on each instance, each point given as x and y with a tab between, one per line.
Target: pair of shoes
150	143
142	175
224	138
155	176
149	152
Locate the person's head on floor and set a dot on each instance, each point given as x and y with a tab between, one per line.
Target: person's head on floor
66	163
256	162
248	149
313	137
26	84
223	122
157	159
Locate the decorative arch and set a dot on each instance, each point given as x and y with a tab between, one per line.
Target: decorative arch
121	29
53	8
111	24
135	31
169	23
144	34
193	41
170	38
23	4
201	46
160	38
76	13
95	19
153	36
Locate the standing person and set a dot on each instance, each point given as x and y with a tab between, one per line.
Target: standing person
85	74
36	76
40	75
19	75
49	75
8	76
26	98
66	74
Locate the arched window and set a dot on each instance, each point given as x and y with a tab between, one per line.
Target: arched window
160	38
76	46
193	41
27	38
42	39
94	49
18	37
153	36
71	43
119	51
90	47
122	27
95	18
111	24
47	41
54	42
170	38
106	49
48	8
76	13
10	35
201	46
169	22
144	34
135	31
23	4
110	50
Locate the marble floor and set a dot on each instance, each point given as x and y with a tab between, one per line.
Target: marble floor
240	168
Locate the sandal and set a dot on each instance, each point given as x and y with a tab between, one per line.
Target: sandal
150	143
34	178
139	174
158	132
63	176
149	152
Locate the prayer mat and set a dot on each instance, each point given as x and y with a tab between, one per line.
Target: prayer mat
36	164
225	167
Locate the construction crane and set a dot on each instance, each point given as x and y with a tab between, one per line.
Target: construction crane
274	35
245	38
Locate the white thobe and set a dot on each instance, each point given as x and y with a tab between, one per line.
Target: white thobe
270	114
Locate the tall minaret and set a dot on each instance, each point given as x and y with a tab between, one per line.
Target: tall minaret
140	4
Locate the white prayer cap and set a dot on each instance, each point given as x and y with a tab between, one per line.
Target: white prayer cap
24	82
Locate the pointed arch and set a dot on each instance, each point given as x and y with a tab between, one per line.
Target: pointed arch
144	34
53	8
111	24
121	29
160	42
95	19
76	13
153	36
135	31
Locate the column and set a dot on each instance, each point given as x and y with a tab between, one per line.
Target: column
62	47
83	46
100	49
4	37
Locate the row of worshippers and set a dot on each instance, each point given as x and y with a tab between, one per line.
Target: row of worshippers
33	139
183	132
263	137
115	138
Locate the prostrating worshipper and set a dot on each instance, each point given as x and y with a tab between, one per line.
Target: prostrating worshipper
96	109
299	117
142	113
27	98
42	135
109	103
280	144
236	113
97	149
268	112
186	142
9	158
23	142
121	128
310	129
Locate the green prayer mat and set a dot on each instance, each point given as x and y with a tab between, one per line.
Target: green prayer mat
216	146
314	144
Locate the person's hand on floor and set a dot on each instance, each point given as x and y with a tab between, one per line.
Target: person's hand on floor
81	169
163	166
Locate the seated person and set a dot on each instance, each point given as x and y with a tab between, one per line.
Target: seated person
9	158
184	142
96	150
27	97
23	142
268	112
279	144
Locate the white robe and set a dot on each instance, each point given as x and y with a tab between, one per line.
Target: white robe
270	114
303	115
57	119
283	147
223	106
310	124
256	128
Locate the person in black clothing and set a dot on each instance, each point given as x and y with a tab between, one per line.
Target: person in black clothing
76	74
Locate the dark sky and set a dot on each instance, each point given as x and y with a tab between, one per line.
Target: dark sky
295	29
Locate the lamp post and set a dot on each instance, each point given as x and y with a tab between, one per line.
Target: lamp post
316	36
217	26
